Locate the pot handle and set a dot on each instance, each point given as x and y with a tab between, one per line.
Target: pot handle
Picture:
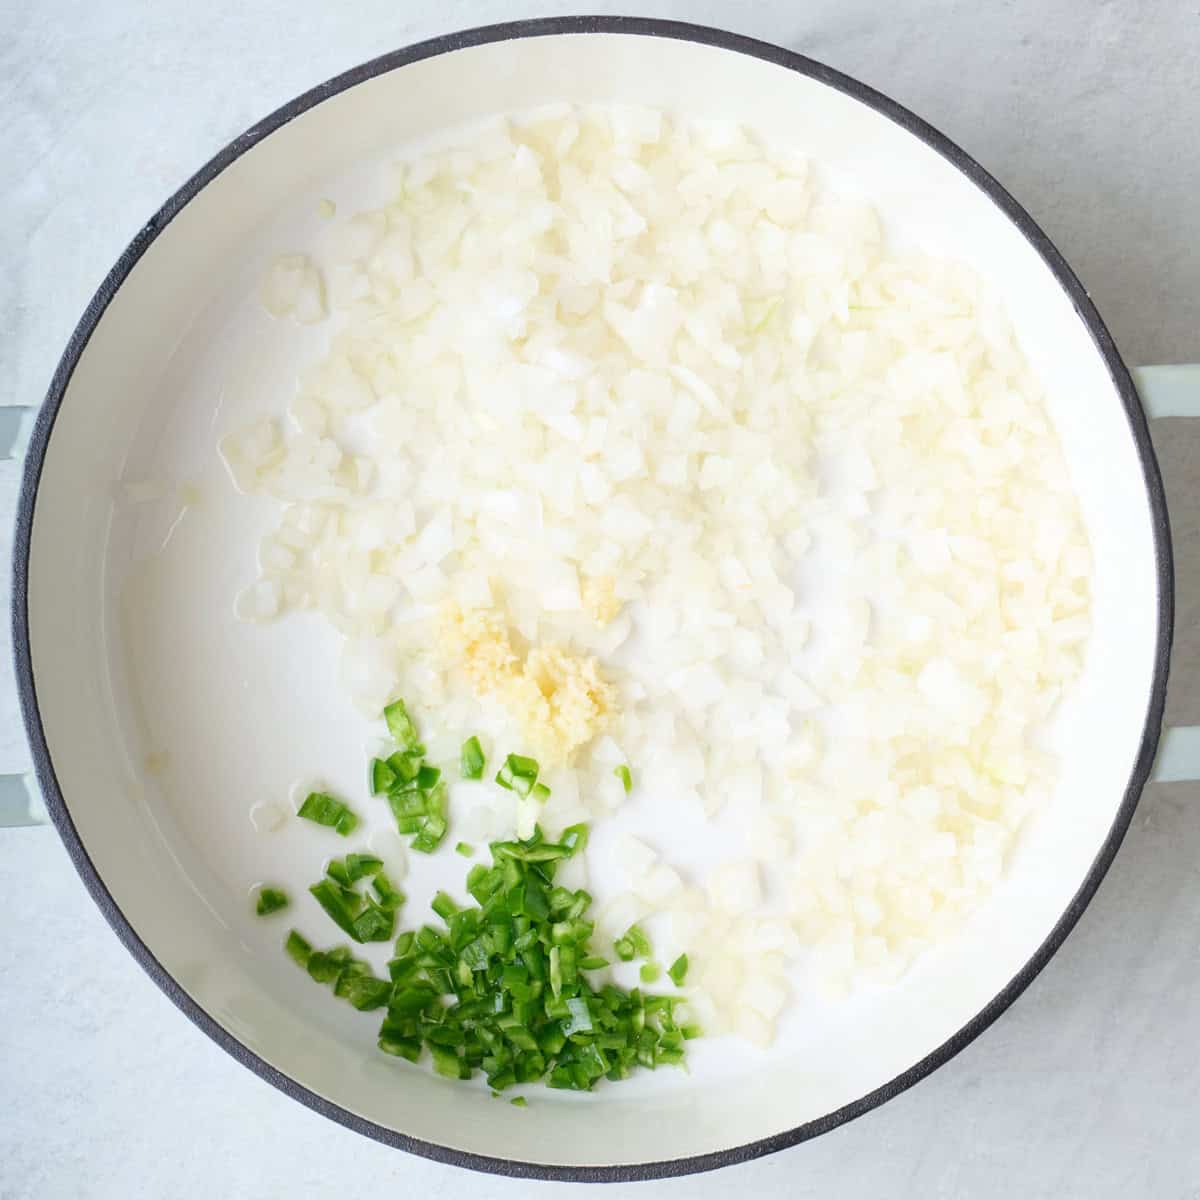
20	801
1173	391
1167	391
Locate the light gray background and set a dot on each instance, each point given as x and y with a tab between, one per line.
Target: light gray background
1090	113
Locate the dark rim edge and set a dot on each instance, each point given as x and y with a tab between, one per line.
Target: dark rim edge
535	28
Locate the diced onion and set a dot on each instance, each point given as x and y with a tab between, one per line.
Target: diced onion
650	391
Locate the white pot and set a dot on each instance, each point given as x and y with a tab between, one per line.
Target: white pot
125	392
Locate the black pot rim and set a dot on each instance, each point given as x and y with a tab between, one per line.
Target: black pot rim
537	28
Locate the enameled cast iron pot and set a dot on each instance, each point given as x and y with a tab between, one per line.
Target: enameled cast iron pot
122	370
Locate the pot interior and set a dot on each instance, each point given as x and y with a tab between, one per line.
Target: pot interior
183	352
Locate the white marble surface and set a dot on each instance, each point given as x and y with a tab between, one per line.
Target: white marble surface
1089	1086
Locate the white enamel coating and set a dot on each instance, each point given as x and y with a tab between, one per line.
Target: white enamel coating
150	394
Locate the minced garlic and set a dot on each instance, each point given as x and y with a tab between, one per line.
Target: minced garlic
558	698
600	598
